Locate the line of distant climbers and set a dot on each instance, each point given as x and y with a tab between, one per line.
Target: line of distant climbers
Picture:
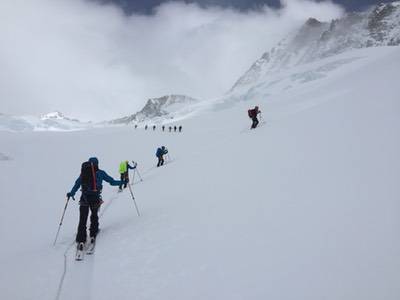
175	128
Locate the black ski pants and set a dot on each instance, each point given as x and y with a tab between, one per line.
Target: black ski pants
255	122
92	203
160	161
124	177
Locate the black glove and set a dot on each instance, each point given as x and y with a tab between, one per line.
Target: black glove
70	195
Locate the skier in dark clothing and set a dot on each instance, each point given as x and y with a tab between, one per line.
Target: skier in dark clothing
124	172
180	128
145	127
174	128
154	127
135	126
91	182
160	155
253	115
163	128
170	128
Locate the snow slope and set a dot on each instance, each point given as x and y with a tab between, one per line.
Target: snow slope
305	207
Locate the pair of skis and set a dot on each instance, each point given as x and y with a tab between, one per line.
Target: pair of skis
89	250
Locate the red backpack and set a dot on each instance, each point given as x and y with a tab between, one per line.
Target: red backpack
250	112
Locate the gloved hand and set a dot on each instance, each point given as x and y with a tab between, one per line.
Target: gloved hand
70	195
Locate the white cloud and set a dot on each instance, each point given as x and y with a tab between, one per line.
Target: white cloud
94	62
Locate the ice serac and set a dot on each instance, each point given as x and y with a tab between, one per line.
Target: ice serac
161	109
378	26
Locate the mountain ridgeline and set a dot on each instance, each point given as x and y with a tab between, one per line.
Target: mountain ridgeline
54	121
378	26
159	109
275	72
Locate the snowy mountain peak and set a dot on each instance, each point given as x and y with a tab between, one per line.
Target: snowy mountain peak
382	7
53	115
315	40
56	115
159	109
313	22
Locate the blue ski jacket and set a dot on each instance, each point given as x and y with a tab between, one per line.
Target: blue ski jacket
161	152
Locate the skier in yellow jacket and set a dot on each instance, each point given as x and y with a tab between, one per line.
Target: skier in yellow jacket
124	172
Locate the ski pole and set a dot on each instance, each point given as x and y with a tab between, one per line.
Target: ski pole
133	177
137	171
134	201
61	221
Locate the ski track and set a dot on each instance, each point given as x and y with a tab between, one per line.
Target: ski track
87	258
82	277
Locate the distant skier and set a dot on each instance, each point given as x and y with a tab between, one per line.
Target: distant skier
135	126
124	172
253	113
180	128
174	128
154	127
160	155
91	182
145	127
163	128
170	128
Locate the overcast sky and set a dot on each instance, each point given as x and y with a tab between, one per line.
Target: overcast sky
146	6
96	61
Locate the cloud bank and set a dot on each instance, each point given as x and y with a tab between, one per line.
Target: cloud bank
93	62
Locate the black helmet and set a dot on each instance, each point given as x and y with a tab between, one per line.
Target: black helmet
94	161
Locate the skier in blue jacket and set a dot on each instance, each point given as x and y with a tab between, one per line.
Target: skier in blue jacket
90	199
160	155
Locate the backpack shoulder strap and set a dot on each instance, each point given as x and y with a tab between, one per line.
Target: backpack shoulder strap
94	178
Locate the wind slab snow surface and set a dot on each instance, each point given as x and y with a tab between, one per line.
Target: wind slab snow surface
305	207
